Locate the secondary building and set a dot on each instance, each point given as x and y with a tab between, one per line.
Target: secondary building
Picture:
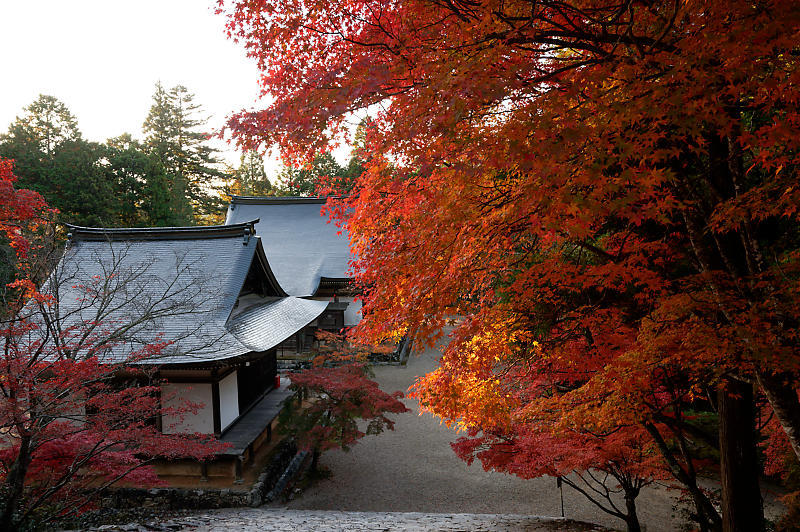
309	255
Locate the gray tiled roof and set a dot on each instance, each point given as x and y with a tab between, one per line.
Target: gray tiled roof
266	325
175	285
303	248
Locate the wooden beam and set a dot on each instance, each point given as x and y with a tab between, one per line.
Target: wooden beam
214	376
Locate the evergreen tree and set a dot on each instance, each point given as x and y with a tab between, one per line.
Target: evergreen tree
141	183
323	174
174	135
250	179
52	158
167	197
45	125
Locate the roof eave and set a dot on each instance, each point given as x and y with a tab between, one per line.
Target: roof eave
95	234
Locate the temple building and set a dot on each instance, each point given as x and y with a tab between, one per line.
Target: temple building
210	297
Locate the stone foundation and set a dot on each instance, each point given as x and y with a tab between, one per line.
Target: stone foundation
194	498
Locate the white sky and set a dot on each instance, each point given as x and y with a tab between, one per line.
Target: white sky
103	57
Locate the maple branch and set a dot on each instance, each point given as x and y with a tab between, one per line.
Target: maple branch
712	440
611	511
704	506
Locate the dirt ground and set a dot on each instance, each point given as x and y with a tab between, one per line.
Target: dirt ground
413	469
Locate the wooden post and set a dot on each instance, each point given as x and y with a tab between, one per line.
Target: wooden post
238	467
216	408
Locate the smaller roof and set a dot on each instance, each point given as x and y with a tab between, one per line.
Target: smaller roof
264	326
303	246
177	285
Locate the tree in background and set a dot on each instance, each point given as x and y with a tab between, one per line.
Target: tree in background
615	182
137	177
52	158
46	125
250	178
323	174
119	183
174	135
172	178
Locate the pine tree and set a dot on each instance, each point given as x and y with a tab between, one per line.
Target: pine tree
322	176
174	135
250	179
140	181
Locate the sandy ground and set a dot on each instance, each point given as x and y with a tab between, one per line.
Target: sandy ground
413	469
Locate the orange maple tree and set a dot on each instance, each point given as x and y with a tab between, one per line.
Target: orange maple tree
605	190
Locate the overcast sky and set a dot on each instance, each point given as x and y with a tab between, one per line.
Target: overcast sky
102	58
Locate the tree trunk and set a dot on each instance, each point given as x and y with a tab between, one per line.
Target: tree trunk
15	484
742	509
314	460
631	519
783	399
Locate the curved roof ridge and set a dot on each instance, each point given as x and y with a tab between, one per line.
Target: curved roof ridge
244	229
282	200
302	244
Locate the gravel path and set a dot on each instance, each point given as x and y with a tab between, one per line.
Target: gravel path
273	520
413	469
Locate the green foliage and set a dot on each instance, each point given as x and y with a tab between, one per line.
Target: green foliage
52	158
167	180
250	179
174	135
140	180
322	175
45	126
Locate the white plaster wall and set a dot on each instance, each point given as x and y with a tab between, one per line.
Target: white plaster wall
174	394
228	400
352	314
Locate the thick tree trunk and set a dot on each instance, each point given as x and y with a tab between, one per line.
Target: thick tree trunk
783	399
15	484
742	509
631	519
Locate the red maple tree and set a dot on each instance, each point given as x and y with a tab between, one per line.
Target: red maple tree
334	396
615	181
70	424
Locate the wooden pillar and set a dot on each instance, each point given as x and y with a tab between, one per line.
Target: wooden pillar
238	467
159	415
215	407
